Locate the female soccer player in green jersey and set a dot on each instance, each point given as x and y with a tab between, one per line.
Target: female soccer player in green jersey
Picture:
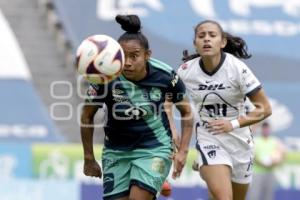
138	139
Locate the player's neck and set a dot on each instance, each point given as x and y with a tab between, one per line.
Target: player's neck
211	62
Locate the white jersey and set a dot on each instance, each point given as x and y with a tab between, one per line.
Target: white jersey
220	94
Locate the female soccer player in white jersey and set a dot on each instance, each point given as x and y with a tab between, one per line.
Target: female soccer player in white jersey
218	84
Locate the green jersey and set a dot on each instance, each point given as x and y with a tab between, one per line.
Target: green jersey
135	110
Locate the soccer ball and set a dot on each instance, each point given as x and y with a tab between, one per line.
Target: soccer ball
100	59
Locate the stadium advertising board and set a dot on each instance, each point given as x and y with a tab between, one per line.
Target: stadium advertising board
64	162
53	161
51	167
15	161
29	189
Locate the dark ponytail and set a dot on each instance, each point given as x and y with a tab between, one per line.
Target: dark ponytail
186	57
132	25
235	45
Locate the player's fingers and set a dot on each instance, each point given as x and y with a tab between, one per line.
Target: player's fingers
93	172
214	128
175	173
99	174
172	156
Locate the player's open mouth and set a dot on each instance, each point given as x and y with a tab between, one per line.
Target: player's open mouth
206	47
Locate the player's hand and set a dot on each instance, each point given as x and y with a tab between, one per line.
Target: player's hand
92	168
179	162
219	126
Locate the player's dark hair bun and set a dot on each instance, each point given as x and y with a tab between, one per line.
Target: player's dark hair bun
129	23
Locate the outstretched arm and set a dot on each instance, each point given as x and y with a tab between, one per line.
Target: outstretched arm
91	167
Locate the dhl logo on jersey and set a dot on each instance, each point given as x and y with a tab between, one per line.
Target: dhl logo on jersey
219	86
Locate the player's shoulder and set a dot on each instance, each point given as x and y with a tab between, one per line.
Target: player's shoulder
161	66
188	66
234	63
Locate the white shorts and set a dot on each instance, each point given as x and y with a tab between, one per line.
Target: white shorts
212	152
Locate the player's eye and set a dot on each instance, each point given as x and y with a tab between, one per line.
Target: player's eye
212	34
134	56
201	35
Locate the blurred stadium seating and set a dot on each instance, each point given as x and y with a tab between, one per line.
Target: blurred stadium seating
39	154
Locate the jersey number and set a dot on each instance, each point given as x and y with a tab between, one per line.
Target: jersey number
216	110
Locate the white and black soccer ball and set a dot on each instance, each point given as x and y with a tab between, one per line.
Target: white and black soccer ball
100	59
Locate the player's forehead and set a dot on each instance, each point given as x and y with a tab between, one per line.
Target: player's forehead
208	27
131	46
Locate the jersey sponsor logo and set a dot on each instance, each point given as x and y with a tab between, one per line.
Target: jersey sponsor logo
212	87
135	113
155	94
117	91
208	81
211	147
119	96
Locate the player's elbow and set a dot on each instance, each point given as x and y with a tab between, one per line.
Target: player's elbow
187	115
267	111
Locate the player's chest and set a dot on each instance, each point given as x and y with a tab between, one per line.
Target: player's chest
212	88
135	94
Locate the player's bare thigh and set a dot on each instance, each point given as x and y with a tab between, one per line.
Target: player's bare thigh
239	191
218	180
137	193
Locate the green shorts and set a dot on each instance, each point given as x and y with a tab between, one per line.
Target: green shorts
145	168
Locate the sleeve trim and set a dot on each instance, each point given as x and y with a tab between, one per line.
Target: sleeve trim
255	90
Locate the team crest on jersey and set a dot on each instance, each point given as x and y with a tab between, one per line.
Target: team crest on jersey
184	66
155	94
212	154
158	165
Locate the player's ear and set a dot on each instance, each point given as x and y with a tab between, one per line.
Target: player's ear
148	54
195	47
224	42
